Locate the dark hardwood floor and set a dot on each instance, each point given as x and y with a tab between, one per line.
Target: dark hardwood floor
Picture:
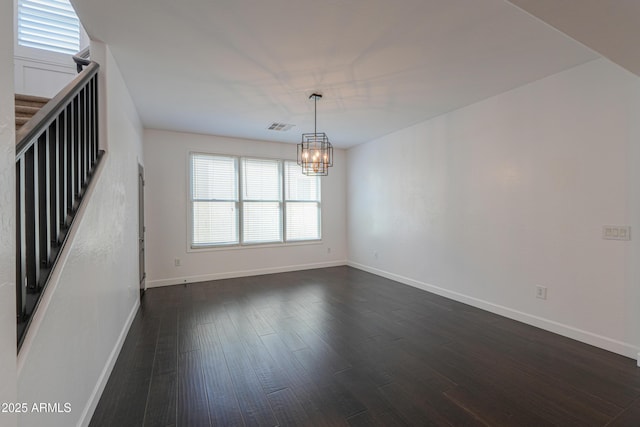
339	346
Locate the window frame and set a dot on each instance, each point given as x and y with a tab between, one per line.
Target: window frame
240	207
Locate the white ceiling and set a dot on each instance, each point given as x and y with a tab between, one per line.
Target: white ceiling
232	67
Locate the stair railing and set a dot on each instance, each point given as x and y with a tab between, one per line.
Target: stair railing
57	153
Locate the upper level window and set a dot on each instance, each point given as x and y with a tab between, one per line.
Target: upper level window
48	24
244	201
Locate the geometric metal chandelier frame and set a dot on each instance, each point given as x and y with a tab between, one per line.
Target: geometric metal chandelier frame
315	152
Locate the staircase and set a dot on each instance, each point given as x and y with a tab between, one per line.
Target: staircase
57	153
26	107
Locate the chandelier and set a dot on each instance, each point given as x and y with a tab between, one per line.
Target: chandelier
315	152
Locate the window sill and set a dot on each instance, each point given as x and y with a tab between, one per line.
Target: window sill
253	246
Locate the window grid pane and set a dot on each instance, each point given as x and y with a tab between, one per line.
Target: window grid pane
214	177
299	186
261	222
214	223
261	180
303	221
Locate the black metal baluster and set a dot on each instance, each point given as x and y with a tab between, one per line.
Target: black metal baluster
21	253
96	117
31	218
52	190
66	179
71	161
80	147
94	148
90	127
62	176
77	163
87	142
43	200
83	139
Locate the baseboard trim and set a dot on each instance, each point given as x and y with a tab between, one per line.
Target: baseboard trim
92	403
241	273
587	337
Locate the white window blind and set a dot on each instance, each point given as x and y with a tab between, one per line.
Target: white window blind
261	201
48	24
302	204
214	198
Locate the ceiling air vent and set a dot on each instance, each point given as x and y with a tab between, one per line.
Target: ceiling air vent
280	127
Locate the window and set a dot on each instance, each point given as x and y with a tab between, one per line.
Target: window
302	204
244	201
48	24
214	200
261	201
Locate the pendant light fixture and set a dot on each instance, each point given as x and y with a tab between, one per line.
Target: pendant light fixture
315	152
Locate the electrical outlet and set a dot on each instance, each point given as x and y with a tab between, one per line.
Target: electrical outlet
616	232
375	255
541	292
177	262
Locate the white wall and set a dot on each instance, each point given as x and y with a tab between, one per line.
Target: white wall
486	202
42	76
7	218
166	197
77	332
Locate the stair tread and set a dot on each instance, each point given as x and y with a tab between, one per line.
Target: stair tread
26	110
31	98
29	104
30	101
26	106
